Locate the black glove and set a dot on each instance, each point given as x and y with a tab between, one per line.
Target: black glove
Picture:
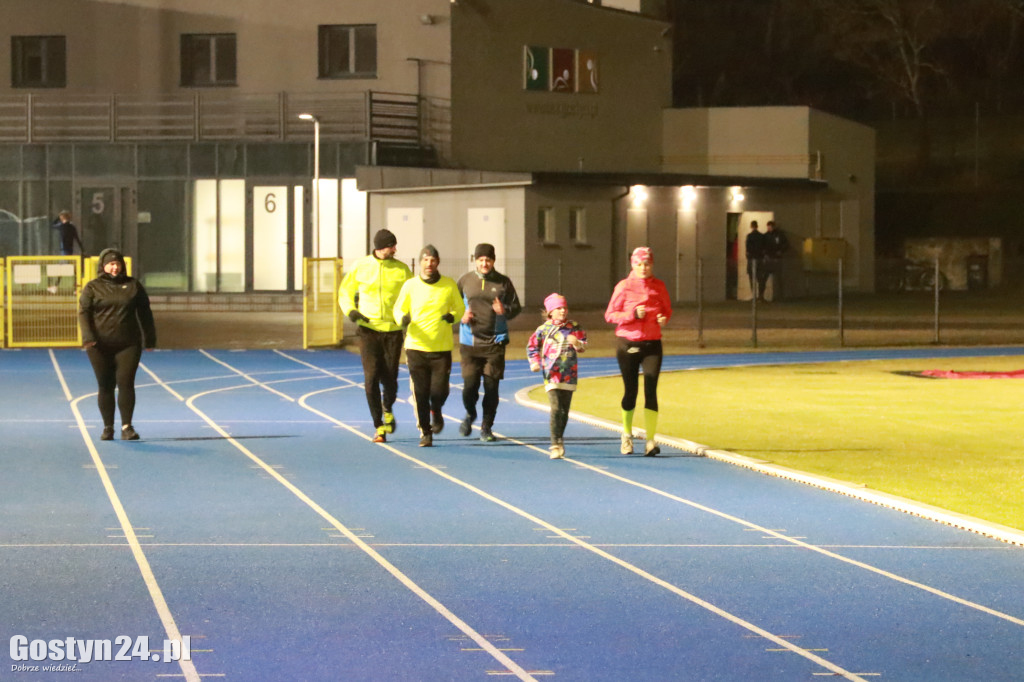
357	316
406	319
449	318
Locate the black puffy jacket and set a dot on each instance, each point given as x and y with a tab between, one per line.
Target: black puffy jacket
114	311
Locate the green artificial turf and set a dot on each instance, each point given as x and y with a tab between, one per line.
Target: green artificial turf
952	443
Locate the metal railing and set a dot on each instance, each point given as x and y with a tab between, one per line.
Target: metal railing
218	116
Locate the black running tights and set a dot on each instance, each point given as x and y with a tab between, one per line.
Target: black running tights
115	368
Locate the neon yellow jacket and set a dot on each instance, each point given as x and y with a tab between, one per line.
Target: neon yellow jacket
425	303
371	287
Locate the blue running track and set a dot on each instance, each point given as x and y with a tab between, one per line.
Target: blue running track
257	522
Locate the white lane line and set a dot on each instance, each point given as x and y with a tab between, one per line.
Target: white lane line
771	534
188	670
356	540
249	378
828	665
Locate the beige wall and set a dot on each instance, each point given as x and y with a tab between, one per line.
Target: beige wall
500	125
133	46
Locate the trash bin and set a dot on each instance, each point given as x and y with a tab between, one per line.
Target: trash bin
977	272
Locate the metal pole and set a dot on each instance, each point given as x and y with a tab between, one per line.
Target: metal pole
753	302
700	302
839	285
316	187
937	287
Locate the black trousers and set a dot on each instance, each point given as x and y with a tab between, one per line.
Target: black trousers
634	356
487	365
380	353
115	369
430	373
560	400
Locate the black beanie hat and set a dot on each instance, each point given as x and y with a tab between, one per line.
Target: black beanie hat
429	250
384	239
482	250
107	255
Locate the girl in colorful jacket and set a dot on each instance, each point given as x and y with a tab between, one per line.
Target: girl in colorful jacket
640	306
554	348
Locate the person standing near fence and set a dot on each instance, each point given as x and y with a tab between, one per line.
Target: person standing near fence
640	306
553	348
755	261
775	246
367	296
116	323
491	301
428	306
67	234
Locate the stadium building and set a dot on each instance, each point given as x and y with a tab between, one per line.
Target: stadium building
187	133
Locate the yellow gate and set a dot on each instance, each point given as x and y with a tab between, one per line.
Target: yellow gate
42	300
3	305
321	317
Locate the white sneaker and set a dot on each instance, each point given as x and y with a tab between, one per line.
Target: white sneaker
652	449
557	452
626	445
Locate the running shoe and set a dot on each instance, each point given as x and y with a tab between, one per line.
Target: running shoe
466	427
652	449
390	424
427	440
108	433
381	435
557	451
128	433
626	444
436	421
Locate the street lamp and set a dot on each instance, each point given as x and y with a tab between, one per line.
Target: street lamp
316	181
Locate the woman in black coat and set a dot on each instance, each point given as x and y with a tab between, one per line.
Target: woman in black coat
116	323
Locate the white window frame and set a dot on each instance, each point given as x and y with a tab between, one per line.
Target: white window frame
546	226
578	225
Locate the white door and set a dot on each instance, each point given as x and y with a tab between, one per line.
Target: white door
487	225
407	226
743	289
270	245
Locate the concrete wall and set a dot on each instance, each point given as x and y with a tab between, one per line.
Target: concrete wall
499	124
132	46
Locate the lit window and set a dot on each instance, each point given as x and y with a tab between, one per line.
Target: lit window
546	225
208	59
38	62
578	225
348	51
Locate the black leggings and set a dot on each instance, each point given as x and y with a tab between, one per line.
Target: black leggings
634	356
115	368
430	373
380	353
560	400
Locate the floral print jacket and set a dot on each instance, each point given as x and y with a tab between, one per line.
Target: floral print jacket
554	348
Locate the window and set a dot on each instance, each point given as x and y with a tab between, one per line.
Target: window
208	59
38	62
348	51
578	225
546	225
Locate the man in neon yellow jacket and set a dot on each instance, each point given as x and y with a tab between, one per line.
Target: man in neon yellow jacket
429	304
367	296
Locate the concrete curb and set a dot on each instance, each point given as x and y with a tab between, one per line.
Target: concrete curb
855	490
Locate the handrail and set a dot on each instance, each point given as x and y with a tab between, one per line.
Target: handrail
218	116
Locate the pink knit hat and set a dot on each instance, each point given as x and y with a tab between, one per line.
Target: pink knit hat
554	301
640	255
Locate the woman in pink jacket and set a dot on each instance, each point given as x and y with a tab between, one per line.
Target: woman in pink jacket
640	307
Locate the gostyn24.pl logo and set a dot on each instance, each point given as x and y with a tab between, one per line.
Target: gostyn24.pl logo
69	652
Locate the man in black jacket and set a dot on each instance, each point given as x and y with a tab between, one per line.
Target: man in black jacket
491	301
755	261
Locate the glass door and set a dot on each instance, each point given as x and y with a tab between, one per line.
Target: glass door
107	218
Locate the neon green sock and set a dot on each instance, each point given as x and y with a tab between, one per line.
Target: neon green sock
627	422
651	423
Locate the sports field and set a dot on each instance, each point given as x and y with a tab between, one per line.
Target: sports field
952	443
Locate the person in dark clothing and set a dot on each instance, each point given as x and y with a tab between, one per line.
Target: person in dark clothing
755	262
775	246
116	323
67	234
491	301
